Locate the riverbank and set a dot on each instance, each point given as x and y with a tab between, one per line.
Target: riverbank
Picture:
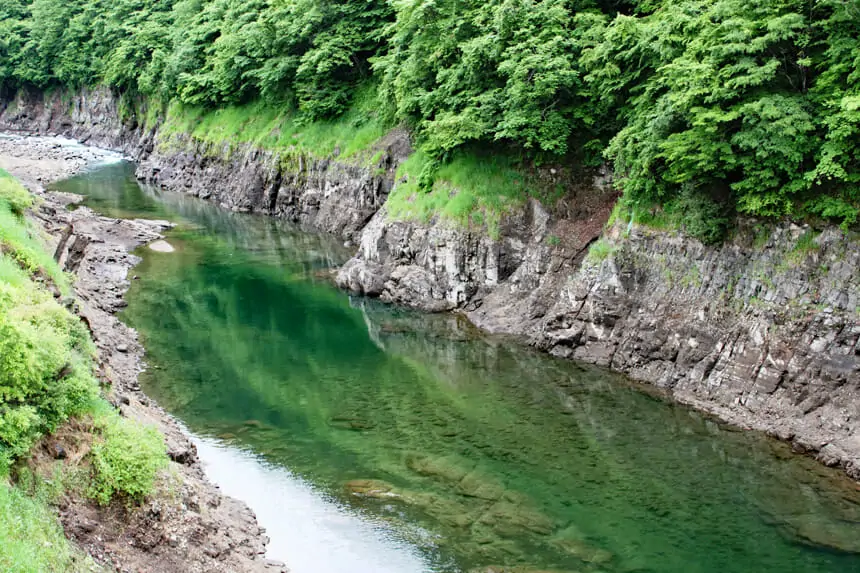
188	525
762	331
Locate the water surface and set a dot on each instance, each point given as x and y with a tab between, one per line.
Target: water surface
372	439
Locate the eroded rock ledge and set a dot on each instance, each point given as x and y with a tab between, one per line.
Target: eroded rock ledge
762	331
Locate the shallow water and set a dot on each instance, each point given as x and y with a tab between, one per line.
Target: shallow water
481	452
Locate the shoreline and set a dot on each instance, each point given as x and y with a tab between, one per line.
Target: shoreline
736	400
199	529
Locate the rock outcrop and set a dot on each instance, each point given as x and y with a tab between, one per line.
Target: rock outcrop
337	197
762	331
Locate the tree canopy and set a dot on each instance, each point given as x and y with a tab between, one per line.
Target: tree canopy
751	107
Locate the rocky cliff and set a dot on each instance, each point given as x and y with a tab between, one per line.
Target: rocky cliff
332	196
762	331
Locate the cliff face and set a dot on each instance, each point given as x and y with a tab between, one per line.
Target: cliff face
335	197
762	331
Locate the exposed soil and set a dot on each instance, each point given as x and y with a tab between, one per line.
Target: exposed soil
188	525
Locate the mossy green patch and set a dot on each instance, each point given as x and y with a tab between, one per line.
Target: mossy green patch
280	128
471	189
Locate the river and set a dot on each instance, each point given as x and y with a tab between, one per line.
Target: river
371	439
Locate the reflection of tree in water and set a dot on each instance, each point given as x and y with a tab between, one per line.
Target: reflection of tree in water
511	456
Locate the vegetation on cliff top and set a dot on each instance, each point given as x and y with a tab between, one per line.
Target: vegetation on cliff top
731	106
47	378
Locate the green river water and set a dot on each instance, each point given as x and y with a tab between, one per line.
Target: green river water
482	453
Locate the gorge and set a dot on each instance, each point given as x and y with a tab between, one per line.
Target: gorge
462	452
430	286
711	326
761	331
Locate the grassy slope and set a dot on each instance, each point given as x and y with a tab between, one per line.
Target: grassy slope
31	538
473	189
37	396
280	129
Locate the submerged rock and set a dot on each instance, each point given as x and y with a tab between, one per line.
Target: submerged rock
583	550
814	531
162	246
371	488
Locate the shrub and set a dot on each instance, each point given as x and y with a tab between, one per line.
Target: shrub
14	195
702	217
125	461
45	374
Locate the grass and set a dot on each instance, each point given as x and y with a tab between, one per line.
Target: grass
654	217
471	189
804	246
31	538
280	128
762	236
20	239
599	251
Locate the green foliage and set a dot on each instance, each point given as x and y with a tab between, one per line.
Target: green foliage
734	98
31	538
14	195
45	362
599	251
753	105
125	461
282	128
486	71
201	52
45	351
701	216
23	243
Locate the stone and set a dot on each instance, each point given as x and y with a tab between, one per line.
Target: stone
371	488
161	246
583	550
58	451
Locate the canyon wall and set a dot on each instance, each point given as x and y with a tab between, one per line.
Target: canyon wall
328	195
762	331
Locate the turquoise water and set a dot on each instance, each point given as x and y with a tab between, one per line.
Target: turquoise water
468	451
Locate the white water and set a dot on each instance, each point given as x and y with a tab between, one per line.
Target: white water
95	156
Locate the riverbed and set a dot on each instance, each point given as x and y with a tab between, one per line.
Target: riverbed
369	438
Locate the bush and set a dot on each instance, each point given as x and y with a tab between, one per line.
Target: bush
702	217
14	195
125	461
45	361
